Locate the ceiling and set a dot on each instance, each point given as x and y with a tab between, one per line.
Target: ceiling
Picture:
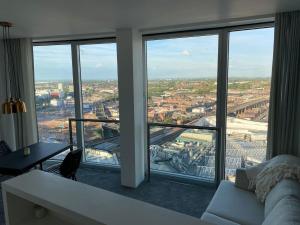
48	18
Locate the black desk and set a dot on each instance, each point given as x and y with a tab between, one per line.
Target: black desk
16	163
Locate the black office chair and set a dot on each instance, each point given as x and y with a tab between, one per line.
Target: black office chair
4	148
69	166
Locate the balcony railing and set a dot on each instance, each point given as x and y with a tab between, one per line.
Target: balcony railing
100	140
179	150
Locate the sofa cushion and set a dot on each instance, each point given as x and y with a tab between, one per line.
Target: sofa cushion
246	177
241	179
237	205
216	220
286	212
284	188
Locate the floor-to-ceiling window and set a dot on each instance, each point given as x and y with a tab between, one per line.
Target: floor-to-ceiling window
183	74
99	88
249	82
182	90
187	73
95	79
54	91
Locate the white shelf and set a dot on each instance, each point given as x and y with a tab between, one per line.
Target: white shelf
73	203
47	220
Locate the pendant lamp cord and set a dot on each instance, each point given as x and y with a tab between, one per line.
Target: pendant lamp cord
5	60
13	65
10	54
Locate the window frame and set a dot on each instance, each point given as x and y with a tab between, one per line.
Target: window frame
222	80
45	44
186	34
76	75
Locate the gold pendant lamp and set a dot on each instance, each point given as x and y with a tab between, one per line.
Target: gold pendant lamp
20	106
12	104
7	107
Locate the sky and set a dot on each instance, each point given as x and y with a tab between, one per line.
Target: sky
250	56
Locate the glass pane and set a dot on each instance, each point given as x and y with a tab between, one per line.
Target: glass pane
188	152
102	142
182	80
249	81
99	81
54	92
100	99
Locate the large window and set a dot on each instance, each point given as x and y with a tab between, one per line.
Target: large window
208	94
249	82
182	80
99	82
54	91
182	89
55	99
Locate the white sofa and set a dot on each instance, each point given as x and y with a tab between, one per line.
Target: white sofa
232	205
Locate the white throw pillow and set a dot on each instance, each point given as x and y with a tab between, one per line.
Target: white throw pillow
279	168
252	173
283	189
286	212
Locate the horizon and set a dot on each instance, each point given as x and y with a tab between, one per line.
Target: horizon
250	54
163	79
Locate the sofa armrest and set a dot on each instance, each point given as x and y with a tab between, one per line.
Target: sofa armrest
241	180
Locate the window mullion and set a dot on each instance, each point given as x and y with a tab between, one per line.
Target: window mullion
78	95
222	104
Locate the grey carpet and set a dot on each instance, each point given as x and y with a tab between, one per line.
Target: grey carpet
189	199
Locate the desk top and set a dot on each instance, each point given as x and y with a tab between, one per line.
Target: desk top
77	200
16	163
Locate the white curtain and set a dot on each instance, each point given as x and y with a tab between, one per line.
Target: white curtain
19	130
284	116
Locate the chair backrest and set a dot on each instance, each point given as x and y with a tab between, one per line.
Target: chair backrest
71	163
4	148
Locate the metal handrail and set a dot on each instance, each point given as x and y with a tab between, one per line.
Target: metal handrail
186	126
93	120
85	120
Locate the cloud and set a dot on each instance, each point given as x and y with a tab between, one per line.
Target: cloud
99	65
185	53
